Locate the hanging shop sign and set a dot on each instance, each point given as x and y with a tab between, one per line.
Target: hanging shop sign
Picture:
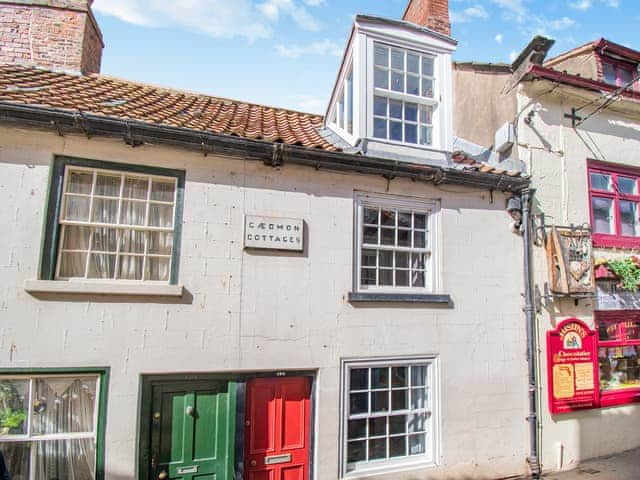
273	233
572	367
570	261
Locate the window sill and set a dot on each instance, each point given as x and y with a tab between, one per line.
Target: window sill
613	398
379	297
103	288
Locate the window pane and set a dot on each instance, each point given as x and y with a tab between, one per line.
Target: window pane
105	239
369	258
357	451
135	188
80	182
17	456
133	213
359	379
380	377
397	424
377	448
399	377
417	422
65	459
402	259
413	63
625	76
402	278
395	131
381	78
418	398
404	219
397	81
359	403
426	135
399	399
377	426
160	243
108	185
619	368
388	236
609	73
628	218
14	399
427	66
76	238
426	115
381	56
600	181
370	235
380	401
404	238
130	267
357	429
627	185
397	59
418	375
410	133
411	112
63	405
417	279
371	216
163	191
102	266
417	261
72	265
105	210
413	85
427	87
379	128
76	208
386	278
386	258
157	268
417	444
420	221
380	106
398	446
602	215
395	109
368	276
132	241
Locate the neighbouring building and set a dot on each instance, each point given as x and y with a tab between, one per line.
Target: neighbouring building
194	287
574	120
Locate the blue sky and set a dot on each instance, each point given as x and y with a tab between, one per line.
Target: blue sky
286	52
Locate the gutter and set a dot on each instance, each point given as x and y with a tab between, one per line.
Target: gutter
137	133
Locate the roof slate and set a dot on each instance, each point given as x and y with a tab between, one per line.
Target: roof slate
127	100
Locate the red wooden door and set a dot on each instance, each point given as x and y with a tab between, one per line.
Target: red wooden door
277	428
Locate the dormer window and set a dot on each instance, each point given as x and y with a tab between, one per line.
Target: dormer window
619	74
344	111
403	95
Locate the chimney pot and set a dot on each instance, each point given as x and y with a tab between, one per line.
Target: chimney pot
433	14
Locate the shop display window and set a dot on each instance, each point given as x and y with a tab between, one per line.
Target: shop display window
619	356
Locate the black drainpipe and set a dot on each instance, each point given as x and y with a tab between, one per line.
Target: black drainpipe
529	310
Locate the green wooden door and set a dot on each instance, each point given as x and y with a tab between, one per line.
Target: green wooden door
193	430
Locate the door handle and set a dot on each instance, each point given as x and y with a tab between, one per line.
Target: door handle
163	475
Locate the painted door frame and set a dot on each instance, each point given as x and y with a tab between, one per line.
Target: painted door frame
145	398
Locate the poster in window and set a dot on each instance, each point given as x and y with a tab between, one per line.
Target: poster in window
572	367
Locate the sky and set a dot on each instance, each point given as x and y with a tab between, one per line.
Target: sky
286	53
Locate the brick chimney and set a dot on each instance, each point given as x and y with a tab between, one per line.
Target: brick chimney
433	14
57	34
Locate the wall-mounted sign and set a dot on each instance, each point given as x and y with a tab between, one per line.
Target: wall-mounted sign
570	261
273	233
572	367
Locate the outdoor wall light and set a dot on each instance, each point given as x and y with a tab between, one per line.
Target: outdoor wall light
514	208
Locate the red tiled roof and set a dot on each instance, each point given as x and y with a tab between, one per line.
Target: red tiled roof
126	100
467	162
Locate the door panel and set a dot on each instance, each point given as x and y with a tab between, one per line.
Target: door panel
192	430
277	428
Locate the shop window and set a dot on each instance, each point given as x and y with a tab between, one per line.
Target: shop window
615	205
395	244
389	413
619	356
112	222
49	426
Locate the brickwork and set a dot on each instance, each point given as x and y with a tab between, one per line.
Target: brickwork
433	14
58	34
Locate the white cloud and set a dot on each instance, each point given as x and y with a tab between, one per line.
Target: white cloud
217	18
499	38
323	48
583	5
469	14
513	8
513	55
315	3
308	103
561	24
612	3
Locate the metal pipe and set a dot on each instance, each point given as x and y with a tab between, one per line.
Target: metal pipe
529	310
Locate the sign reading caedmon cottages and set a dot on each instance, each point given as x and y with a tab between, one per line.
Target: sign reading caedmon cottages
273	233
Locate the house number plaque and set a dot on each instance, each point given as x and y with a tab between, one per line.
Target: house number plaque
273	233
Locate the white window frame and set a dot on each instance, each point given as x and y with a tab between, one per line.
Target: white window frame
344	107
434	101
432	452
32	438
117	226
432	267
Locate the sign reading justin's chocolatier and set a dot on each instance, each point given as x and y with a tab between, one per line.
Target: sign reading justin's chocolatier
572	367
273	233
